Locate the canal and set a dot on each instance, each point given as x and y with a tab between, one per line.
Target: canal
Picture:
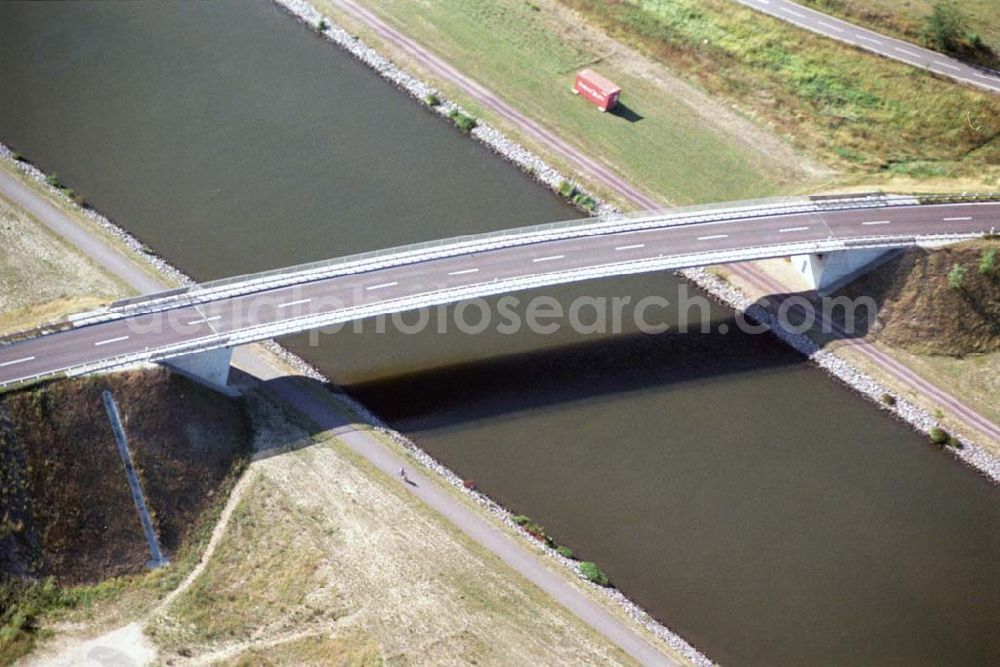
756	506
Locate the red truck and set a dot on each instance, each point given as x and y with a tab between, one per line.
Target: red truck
597	89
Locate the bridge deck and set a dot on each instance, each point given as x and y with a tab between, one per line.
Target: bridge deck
231	320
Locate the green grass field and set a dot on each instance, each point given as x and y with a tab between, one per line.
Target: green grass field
906	18
866	114
522	53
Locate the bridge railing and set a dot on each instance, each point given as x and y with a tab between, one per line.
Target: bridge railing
368	261
431	298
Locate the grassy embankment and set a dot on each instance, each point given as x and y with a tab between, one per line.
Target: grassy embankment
879	121
668	138
326	556
876	121
908	20
42	278
70	538
947	332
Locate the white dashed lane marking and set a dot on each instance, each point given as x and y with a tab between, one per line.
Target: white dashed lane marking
16	361
293	303
110	340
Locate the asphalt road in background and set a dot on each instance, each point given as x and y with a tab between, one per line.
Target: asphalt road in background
869	40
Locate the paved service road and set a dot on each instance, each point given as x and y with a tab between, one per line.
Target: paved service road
890	47
397	286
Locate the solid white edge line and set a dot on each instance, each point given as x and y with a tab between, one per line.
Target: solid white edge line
548	259
16	361
941	63
110	340
381	285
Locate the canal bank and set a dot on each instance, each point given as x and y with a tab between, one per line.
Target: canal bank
810	403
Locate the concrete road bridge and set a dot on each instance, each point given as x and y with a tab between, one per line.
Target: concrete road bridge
194	328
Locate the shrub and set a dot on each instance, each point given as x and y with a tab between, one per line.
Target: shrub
939	436
567	189
954	442
520	519
593	573
323	26
465	123
565	552
432	100
889	399
946	26
584	201
55	181
956	277
988	262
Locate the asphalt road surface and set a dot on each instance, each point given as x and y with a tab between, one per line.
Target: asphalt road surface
548	262
869	40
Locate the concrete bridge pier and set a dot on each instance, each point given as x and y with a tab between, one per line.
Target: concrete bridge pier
827	271
210	368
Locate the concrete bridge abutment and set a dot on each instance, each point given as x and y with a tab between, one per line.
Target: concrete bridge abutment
210	368
827	271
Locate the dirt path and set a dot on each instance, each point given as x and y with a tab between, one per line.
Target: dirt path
606	177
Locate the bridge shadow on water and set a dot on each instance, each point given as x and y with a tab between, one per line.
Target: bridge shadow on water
489	388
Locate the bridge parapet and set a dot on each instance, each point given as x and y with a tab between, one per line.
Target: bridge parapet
369	261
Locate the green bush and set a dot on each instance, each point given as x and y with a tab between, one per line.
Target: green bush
565	552
322	26
567	189
946	26
956	277
593	573
465	123
889	399
55	181
520	519
939	436
432	100
988	262
584	201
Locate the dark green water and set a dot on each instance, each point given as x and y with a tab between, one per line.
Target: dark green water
764	512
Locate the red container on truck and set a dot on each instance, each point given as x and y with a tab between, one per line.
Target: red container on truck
597	89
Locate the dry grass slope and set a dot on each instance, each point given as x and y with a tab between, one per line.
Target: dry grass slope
921	313
327	560
184	441
41	277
